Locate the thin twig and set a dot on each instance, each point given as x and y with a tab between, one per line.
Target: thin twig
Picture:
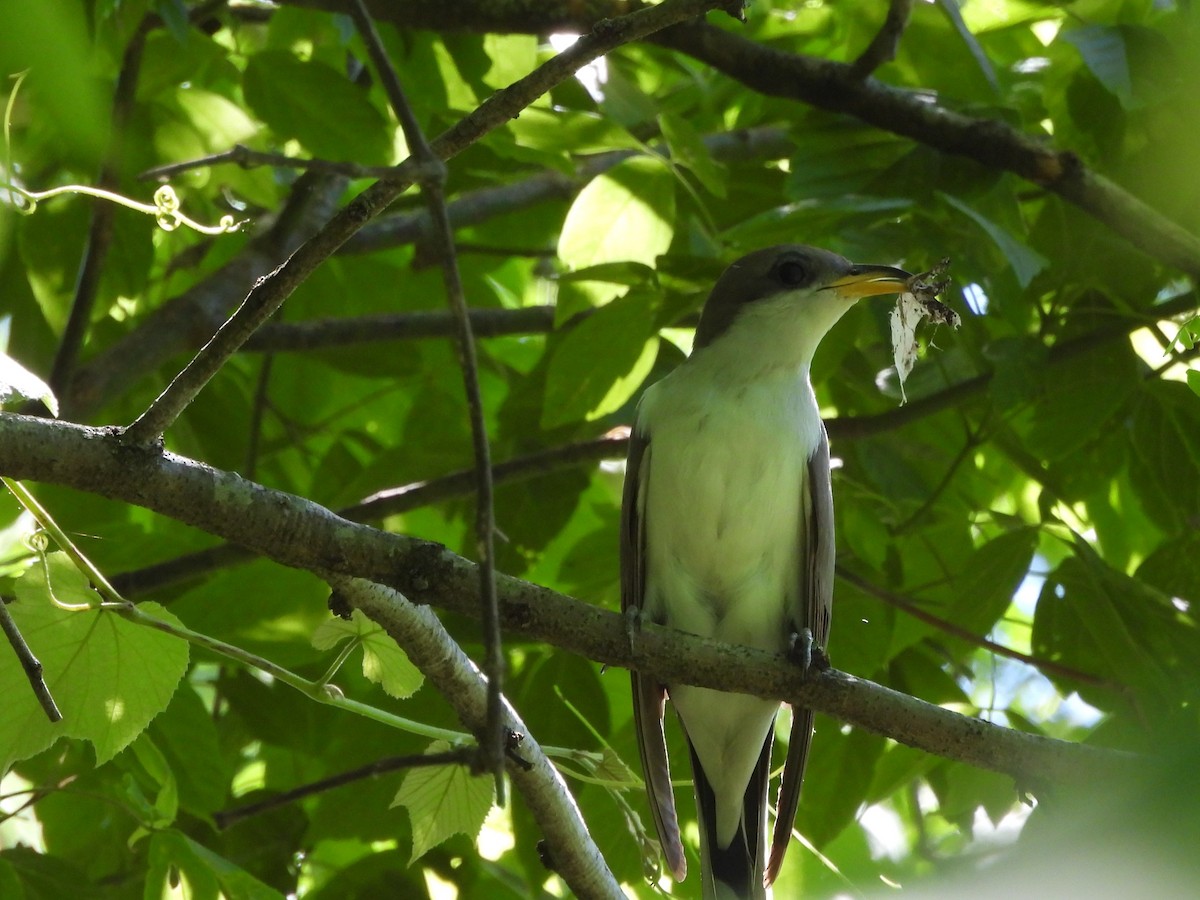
433	187
270	293
257	412
246	158
912	609
475	207
320	334
457	757
100	229
883	46
30	663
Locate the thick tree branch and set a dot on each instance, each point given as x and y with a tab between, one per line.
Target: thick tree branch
300	533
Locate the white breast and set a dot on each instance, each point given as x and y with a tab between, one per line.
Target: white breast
722	501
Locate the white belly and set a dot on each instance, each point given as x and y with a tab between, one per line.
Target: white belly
722	487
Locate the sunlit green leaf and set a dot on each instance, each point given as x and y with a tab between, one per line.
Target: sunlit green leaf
383	661
626	214
601	362
109	677
442	801
1025	262
318	106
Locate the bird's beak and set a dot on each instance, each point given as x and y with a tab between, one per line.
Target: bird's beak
865	281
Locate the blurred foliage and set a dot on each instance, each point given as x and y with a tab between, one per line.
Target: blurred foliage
1053	508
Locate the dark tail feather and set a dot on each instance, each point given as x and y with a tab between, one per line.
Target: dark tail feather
735	871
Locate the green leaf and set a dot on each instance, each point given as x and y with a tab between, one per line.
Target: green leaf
626	214
1173	568
443	801
1099	620
1025	261
847	760
688	150
187	736
1077	398
1166	442
383	661
1193	381
165	806
985	586
1103	51
108	676
600	363
313	103
176	858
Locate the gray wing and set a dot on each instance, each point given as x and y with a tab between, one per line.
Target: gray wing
648	694
816	604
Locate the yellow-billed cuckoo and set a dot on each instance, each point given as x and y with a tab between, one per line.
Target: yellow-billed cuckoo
727	532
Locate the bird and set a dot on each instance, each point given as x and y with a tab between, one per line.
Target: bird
727	532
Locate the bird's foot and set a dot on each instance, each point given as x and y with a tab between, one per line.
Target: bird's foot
807	653
633	625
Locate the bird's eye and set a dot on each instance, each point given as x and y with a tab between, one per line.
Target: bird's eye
792	272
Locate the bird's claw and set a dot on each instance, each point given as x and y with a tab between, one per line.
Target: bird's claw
633	625
807	653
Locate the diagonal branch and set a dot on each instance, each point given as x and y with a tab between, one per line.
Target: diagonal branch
269	294
30	664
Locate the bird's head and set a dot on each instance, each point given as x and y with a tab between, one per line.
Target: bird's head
782	300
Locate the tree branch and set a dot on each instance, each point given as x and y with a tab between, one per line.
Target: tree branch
442	661
458	757
883	46
835	87
247	158
268	294
303	534
473	207
30	664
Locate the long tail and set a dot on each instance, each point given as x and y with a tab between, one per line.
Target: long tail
735	871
